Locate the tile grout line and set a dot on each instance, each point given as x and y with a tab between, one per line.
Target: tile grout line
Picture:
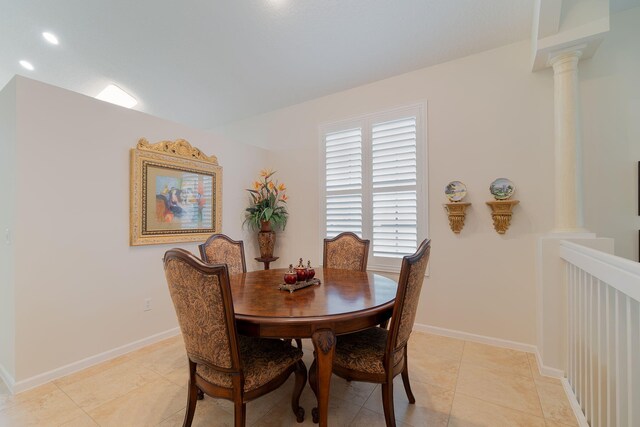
501	371
178	411
544	417
516	375
75	403
455	388
509	408
538	394
177	385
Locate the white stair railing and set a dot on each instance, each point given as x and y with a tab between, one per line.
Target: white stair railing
604	335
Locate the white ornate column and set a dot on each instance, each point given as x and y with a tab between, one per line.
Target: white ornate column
569	217
560	46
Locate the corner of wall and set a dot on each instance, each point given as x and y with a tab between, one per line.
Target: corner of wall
8	113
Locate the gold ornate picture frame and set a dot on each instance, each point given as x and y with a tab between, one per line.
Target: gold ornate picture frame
175	194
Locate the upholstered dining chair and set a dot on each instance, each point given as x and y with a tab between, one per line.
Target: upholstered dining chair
222	363
378	355
220	249
346	251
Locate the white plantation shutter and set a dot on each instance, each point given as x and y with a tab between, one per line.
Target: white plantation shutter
343	166
395	231
374	171
394	172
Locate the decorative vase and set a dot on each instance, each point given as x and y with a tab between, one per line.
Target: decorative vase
266	240
310	271
290	277
301	271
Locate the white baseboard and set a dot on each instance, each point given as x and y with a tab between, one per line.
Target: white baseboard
548	371
62	371
497	342
467	336
6	378
577	411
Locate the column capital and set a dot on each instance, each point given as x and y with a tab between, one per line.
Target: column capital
566	58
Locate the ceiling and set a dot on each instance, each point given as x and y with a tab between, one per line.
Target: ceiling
205	63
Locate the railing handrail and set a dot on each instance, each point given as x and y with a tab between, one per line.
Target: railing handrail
619	273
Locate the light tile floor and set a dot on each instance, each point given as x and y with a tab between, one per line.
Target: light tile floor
456	383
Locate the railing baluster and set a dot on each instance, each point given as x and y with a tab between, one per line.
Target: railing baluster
630	369
588	407
592	403
609	391
570	322
576	331
579	340
599	420
603	335
610	359
576	280
635	403
585	334
617	354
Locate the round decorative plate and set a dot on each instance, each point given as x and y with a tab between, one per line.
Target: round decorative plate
502	188
455	191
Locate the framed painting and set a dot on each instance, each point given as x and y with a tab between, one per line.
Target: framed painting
176	193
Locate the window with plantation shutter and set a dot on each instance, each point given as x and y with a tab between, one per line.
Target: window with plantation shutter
375	182
394	172
343	167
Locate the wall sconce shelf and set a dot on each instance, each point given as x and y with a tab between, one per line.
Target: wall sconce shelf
501	211
456	212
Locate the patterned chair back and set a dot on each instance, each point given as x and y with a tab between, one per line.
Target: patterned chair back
202	299
409	287
346	251
220	249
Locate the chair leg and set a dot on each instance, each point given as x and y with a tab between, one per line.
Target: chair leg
313	382
405	379
240	414
301	380
200	394
387	404
192	399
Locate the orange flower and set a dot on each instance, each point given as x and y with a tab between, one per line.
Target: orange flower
266	201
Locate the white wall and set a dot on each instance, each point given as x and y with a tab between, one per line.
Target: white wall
488	117
7	178
610	90
79	286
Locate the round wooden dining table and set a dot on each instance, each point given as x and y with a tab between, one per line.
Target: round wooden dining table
345	301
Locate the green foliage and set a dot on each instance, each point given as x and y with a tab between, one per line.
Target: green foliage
267	202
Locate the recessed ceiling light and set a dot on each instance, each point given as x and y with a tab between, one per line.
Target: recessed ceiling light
27	65
51	38
115	95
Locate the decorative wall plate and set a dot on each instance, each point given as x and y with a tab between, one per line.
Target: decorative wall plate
502	188
455	191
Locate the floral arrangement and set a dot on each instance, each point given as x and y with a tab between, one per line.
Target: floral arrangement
267	202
